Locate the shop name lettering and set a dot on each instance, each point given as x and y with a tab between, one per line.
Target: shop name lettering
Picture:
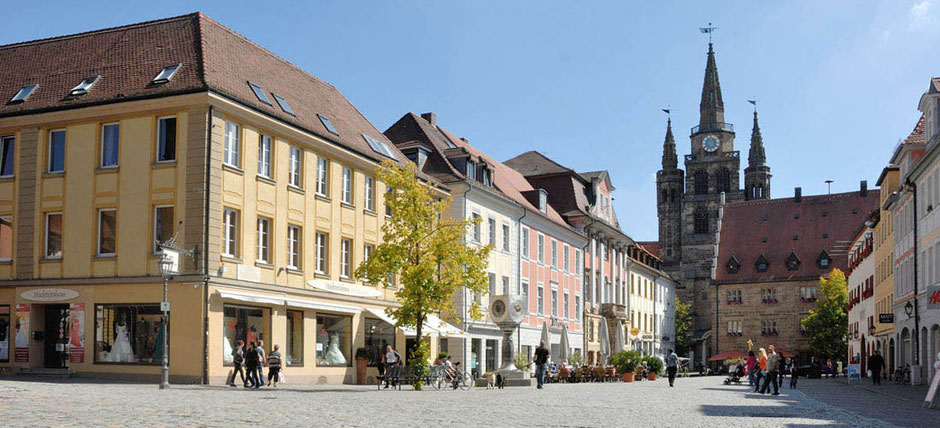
935	297
48	294
336	287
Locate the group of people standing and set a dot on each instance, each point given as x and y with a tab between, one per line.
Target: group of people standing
769	367
250	361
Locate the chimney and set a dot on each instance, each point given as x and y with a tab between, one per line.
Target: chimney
797	194
863	188
430	117
464	139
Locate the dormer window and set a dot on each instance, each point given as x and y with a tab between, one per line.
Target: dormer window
23	94
85	86
761	264
793	262
733	265
543	201
166	74
485	177
823	260
471	170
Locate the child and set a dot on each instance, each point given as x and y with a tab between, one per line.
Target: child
794	373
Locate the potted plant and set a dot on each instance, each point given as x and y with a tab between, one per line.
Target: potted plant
362	364
626	362
655	366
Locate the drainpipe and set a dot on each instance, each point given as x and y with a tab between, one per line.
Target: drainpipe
468	347
913	187
519	264
205	258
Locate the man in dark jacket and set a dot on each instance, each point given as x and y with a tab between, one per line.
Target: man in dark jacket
251	365
876	363
541	358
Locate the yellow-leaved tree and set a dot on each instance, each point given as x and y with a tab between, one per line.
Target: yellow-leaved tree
426	252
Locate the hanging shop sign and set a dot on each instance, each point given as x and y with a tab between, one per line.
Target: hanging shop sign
343	288
933	297
646	336
886	318
634	331
21	340
77	333
49	294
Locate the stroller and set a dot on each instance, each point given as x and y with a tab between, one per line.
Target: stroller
735	375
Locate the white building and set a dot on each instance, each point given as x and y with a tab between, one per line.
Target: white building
861	287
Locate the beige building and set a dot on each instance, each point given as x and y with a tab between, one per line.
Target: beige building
884	270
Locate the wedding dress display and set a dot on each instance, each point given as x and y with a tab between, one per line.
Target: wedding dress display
227	351
334	356
121	351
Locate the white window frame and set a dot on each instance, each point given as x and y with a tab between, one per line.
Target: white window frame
347	193
160	141
102	147
540	297
507	234
46	241
263	240
294	248
346	254
554	253
369	193
526	236
505	288
230	242
491	229
295	164
577	262
565	303
264	155
477	227
323	177
554	300
566	258
231	154
49	147
524	290
98	248
540	251
323	253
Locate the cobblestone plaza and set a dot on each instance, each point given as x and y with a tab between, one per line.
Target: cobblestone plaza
693	402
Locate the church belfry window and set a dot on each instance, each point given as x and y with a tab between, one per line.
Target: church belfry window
701	220
723	180
701	182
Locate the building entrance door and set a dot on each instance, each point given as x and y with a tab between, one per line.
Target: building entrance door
56	336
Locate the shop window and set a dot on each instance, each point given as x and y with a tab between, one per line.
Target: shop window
6	239
333	340
379	335
129	334
295	338
242	323
4	334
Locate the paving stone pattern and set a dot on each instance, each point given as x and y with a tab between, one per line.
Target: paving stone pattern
701	401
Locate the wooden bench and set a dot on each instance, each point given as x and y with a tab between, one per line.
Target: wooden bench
397	375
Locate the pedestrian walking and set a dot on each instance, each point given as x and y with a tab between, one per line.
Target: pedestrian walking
761	365
750	365
672	366
238	360
251	366
392	363
771	375
262	359
876	363
274	366
541	359
794	373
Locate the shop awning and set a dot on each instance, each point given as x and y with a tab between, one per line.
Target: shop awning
446	329
331	307
433	326
245	296
407	331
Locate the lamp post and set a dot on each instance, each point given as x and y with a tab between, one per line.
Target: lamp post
166	271
909	309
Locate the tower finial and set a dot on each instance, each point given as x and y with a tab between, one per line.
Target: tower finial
670	159
708	30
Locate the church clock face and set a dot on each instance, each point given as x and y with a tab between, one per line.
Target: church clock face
710	143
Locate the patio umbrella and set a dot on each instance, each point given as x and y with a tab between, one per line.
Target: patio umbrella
785	354
728	355
563	352
545	337
605	343
618	338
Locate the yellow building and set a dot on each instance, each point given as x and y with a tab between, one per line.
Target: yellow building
187	130
884	270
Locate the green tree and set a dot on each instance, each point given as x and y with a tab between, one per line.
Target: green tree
828	323
426	251
683	327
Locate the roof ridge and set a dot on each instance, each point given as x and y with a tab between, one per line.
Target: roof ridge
102	30
832	196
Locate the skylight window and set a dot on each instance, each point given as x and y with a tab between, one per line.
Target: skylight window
85	86
379	147
167	74
24	93
327	124
283	103
260	93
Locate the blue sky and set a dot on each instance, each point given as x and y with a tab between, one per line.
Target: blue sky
837	82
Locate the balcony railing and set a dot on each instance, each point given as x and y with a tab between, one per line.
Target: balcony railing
723	126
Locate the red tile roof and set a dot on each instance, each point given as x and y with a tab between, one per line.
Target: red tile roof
214	58
918	135
651	247
744	228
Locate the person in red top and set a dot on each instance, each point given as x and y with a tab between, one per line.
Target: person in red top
762	361
749	365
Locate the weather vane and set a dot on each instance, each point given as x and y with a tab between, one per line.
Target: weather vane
709	30
668	111
753	103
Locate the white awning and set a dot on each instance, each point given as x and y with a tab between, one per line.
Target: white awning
332	307
445	329
429	328
245	296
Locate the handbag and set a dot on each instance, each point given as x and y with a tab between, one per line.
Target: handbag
281	377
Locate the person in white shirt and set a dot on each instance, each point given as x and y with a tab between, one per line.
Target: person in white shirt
392	358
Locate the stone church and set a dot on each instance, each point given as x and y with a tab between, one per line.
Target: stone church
688	200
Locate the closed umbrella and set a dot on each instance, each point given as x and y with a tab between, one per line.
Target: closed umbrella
545	338
605	343
563	353
618	338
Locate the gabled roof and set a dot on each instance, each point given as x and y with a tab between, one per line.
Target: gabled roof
651	247
214	59
834	216
533	164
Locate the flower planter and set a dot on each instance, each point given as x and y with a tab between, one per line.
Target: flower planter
361	366
628	377
651	376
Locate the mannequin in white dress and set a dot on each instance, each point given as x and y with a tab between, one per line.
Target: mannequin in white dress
121	351
334	356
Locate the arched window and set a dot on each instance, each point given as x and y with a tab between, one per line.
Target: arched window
665	196
701	182
701	220
723	180
672	195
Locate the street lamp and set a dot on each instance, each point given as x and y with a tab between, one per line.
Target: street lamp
909	309
167	270
871	330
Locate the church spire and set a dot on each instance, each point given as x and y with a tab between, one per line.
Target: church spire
756	154
670	160
711	108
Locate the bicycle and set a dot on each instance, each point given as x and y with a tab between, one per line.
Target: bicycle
454	379
903	375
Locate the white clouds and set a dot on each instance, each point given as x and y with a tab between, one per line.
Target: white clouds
921	15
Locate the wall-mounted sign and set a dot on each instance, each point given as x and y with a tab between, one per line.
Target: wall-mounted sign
933	297
49	294
646	336
347	289
665	338
886	318
634	331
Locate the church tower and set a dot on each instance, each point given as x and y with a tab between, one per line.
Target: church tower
670	187
757	174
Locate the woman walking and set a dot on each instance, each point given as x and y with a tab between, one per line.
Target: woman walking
750	366
274	366
238	359
762	365
251	365
794	373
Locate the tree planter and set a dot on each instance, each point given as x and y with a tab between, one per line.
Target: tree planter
651	376
361	367
628	377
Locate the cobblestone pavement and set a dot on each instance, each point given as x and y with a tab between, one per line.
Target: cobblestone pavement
693	402
900	405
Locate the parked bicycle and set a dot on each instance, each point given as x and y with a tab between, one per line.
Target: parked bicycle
903	375
441	378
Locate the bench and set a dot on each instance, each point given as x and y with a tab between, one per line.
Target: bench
397	375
